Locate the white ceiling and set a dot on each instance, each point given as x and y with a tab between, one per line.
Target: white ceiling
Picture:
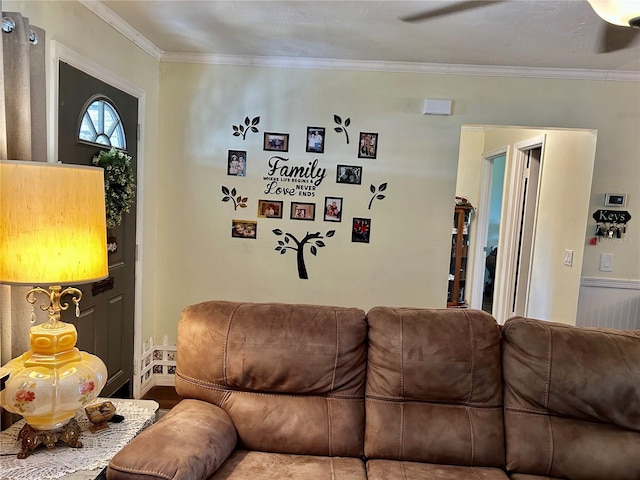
562	34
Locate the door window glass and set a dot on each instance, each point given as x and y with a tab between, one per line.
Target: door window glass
101	124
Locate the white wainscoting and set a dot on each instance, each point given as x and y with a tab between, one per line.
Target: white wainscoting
609	303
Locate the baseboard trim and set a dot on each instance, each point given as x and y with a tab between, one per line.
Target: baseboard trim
600	282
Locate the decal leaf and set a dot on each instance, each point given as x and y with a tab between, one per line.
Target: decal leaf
330	233
247	121
338	129
337	119
255	121
382	187
225	190
314	250
226	199
277	231
233	192
347	122
320	243
380	197
254	129
372	188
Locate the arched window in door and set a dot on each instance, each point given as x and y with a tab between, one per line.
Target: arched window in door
101	124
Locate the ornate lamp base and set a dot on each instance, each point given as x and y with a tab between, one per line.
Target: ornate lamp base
32	438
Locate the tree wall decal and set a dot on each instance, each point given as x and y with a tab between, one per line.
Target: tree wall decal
290	242
249	125
239	201
376	193
342	126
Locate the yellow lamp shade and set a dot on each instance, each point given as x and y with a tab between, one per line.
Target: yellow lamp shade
52	223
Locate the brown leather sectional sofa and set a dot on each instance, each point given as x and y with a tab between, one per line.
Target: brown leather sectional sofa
278	391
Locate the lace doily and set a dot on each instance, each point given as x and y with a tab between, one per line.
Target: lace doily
97	449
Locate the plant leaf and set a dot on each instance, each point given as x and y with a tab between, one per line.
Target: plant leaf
372	188
338	129
337	119
314	250
347	122
255	121
320	243
233	192
380	197
277	231
330	233
226	199
247	121
225	190
382	187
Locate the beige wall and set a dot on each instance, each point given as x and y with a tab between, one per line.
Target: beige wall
406	263
562	213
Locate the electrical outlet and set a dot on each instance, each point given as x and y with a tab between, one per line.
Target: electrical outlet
606	262
568	257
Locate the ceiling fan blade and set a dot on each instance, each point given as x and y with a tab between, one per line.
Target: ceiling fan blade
614	37
455	7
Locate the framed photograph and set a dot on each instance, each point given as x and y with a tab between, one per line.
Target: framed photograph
244	229
368	145
303	211
332	209
361	230
277	142
270	208
315	139
349	174
237	163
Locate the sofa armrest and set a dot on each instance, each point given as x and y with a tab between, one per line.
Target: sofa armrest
188	443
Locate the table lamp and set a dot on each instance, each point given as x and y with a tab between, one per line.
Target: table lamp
52	232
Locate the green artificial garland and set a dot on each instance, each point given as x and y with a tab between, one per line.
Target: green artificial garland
119	184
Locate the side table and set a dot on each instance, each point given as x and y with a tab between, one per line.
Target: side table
76	464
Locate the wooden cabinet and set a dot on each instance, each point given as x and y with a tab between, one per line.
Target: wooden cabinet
459	252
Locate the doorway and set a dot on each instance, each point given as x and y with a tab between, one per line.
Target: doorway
106	325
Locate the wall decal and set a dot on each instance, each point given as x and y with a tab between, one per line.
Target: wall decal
244	229
238	201
277	142
315	139
376	194
349	174
270	208
249	125
332	209
284	245
237	163
368	145
306	179
343	126
361	230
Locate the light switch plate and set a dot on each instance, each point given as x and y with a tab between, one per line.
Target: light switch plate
568	257
606	262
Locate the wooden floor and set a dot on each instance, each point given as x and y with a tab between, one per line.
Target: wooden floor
166	397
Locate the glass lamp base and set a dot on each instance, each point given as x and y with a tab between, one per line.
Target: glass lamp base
31	437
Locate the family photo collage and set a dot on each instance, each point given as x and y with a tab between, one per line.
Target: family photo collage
332	206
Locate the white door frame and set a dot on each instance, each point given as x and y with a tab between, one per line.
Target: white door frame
60	52
507	253
482	224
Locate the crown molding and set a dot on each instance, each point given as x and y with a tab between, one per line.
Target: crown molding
106	14
110	17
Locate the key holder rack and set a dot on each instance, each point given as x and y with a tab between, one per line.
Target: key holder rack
611	223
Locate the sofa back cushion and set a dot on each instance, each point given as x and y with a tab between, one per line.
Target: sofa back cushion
434	387
290	376
572	400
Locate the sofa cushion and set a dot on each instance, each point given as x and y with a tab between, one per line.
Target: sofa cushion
572	400
290	376
189	443
434	387
246	465
399	470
